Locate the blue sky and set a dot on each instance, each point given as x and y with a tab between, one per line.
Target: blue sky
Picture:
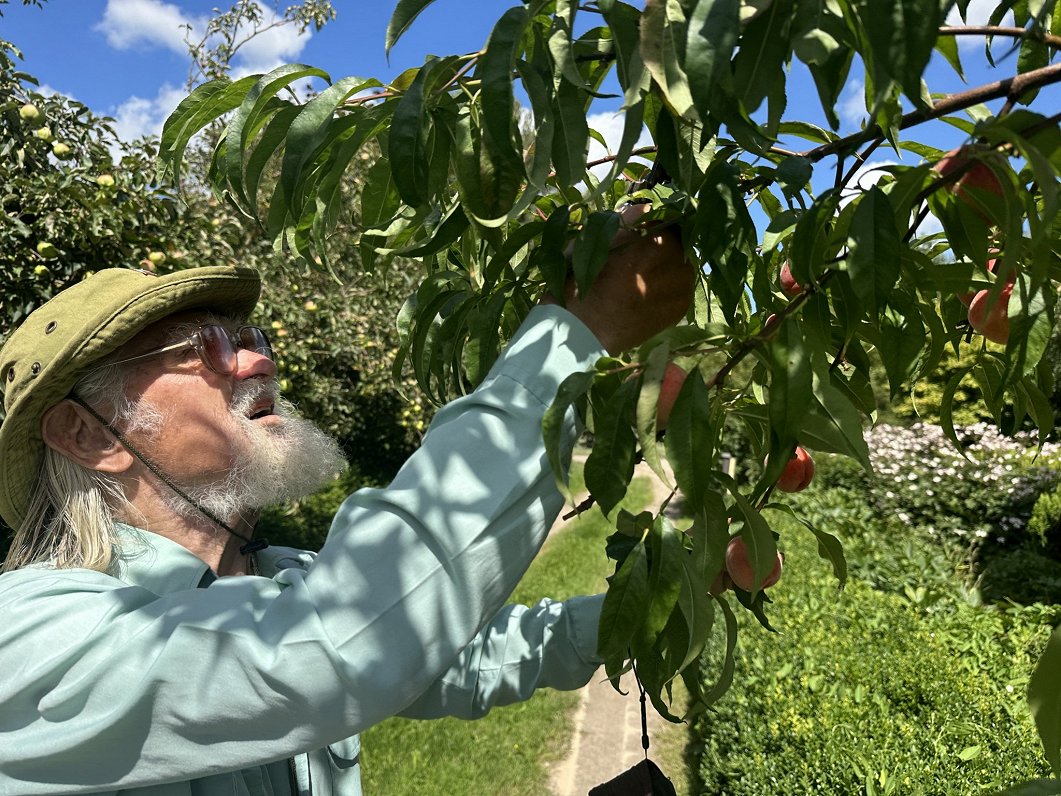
126	58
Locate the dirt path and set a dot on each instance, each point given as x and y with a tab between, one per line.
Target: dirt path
607	724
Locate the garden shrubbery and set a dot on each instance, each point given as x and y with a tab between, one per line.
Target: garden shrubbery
912	680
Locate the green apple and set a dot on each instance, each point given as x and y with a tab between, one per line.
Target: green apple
29	112
105	180
47	250
61	150
43	133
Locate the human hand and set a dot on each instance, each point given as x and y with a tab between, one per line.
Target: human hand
645	286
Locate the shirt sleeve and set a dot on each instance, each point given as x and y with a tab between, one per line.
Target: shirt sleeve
108	685
551	645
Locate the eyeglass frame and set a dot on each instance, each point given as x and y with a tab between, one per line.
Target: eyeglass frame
195	342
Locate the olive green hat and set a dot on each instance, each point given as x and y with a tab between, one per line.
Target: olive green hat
58	343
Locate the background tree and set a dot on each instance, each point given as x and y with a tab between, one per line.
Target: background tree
75	198
491	217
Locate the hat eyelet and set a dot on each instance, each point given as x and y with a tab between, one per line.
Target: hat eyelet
35	368
50	327
11	373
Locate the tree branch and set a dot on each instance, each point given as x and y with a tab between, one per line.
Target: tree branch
1010	87
996	30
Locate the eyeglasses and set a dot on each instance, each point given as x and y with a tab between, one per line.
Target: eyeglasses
216	347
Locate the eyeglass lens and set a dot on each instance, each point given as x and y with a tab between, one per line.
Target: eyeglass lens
219	348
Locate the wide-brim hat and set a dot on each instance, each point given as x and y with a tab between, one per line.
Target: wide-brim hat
59	342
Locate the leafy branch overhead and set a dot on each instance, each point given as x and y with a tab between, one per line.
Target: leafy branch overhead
809	278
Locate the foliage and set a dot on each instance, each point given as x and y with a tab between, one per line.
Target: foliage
66	216
491	214
903	689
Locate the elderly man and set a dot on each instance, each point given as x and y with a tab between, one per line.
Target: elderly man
144	432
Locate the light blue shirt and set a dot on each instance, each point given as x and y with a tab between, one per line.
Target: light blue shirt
142	682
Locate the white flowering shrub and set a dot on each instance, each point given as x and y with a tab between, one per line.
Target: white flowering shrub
985	490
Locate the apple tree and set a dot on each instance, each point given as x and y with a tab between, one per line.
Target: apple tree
808	276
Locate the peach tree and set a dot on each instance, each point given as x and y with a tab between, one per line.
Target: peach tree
808	275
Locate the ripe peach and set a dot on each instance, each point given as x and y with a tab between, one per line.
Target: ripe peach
798	472
789	286
977	176
740	568
991	319
670	386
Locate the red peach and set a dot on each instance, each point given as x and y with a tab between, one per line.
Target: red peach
740	568
789	286
798	472
670	386
977	176
991	319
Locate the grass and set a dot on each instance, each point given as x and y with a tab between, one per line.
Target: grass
508	751
897	685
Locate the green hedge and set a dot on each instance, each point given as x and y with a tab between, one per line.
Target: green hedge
899	684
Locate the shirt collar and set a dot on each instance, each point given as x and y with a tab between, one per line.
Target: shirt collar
158	564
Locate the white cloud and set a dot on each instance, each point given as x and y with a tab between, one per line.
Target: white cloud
270	49
978	13
852	105
610	126
153	23
132	23
138	116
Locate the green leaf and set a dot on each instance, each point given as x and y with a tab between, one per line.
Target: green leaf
555	423
249	118
665	575
729	663
206	103
663	34
759	64
498	117
592	247
902	338
445	233
874	258
714	29
404	13
691	441
1044	699
625	604
901	35
408	141
571	134
790	393
655	365
610	464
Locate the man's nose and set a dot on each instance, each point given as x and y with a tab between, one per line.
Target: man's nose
250	363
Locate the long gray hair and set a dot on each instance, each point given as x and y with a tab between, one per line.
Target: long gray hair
70	519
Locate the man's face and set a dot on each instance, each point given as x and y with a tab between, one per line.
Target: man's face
228	440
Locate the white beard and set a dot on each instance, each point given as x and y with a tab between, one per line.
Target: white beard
280	461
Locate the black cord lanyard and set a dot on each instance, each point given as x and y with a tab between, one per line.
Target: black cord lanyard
249	546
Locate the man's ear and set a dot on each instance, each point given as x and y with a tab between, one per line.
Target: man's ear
77	435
